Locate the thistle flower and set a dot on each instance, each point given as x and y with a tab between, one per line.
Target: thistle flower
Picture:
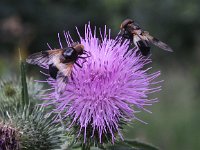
9	137
28	129
10	92
107	91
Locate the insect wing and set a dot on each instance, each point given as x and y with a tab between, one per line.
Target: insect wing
43	58
158	43
61	81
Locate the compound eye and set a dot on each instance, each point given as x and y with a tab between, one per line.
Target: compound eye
68	52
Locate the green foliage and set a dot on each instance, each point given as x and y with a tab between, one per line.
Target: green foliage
24	89
37	130
14	92
132	145
10	92
122	145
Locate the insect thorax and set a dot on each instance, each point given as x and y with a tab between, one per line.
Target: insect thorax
70	54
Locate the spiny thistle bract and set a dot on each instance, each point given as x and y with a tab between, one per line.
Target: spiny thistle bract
10	92
107	91
34	130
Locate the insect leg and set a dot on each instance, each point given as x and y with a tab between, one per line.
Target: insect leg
72	76
86	53
84	57
126	52
84	60
78	65
134	49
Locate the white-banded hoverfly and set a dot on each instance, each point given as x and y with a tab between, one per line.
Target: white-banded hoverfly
60	62
141	39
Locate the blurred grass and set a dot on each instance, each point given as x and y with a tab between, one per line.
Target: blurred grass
174	124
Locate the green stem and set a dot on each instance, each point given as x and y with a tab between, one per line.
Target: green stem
24	89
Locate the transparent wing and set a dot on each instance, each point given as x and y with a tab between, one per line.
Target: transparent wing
157	42
61	83
43	58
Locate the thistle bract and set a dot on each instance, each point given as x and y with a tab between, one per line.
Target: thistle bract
107	90
10	92
28	129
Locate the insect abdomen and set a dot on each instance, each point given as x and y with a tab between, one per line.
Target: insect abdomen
53	71
144	47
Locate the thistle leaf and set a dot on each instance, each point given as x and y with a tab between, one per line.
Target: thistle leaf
140	145
132	145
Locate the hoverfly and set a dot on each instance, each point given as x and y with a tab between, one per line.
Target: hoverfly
141	39
60	62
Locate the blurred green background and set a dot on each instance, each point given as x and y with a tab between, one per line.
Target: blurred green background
175	122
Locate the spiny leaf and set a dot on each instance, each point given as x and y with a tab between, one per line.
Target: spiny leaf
140	145
131	145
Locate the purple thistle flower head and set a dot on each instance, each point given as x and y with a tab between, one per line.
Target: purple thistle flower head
107	90
9	137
